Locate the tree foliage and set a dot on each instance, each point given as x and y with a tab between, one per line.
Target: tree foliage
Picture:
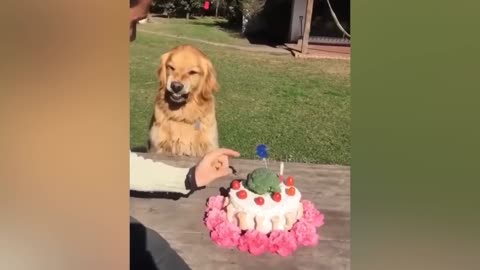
178	7
251	7
233	10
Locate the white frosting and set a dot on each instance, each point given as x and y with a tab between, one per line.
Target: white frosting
270	209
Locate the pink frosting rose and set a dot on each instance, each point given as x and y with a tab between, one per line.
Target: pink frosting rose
226	235
214	218
282	242
254	242
305	233
311	214
215	202
307	205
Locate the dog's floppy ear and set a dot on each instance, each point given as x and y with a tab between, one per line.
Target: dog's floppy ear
210	85
162	70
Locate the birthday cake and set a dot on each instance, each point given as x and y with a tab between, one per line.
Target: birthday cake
263	203
263	213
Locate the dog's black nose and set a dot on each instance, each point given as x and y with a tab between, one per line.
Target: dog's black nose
176	86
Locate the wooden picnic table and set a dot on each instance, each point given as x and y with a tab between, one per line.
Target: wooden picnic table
180	221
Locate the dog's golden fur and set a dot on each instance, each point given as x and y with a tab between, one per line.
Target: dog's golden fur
189	127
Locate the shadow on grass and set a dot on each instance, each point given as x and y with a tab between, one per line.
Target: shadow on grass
174	16
235	31
155	15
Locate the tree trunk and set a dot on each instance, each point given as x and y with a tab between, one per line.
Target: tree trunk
188	15
244	24
216	8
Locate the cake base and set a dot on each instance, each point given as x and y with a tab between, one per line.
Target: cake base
284	242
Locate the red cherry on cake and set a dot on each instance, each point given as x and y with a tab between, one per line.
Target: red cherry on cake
242	194
277	196
289	182
235	184
291	191
259	201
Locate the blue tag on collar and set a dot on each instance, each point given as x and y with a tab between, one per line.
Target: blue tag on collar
197	124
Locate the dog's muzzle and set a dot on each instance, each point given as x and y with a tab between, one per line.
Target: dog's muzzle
177	91
176	87
178	98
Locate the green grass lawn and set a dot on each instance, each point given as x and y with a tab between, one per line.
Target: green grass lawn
202	28
299	108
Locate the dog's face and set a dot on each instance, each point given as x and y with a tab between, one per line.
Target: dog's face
186	73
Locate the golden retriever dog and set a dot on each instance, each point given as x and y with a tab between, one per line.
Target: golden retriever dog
184	121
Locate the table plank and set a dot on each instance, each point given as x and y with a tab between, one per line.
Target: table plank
200	253
180	222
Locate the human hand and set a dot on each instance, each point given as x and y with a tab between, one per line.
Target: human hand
214	165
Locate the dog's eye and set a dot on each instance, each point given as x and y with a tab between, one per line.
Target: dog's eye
170	67
193	72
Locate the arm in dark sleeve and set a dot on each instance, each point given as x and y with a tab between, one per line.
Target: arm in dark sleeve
149	251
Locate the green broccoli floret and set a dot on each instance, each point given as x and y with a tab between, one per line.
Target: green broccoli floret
262	180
